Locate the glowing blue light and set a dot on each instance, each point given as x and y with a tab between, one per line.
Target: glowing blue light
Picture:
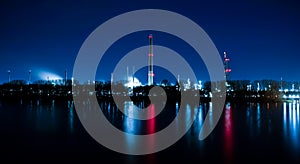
133	82
44	75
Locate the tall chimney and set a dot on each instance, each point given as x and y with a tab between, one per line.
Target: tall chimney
150	67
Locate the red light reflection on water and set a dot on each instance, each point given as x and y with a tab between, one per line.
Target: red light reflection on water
151	122
228	145
150	126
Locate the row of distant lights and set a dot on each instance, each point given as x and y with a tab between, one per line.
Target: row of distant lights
43	75
287	90
291	96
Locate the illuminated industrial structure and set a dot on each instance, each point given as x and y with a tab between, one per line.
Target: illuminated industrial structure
8	72
29	76
131	81
112	78
226	67
66	77
150	66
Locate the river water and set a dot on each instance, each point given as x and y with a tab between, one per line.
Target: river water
37	131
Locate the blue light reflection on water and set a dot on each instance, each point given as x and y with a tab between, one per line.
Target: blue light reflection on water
71	115
129	126
132	126
242	129
291	125
258	119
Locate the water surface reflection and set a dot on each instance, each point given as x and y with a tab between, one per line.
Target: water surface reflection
252	131
291	125
228	133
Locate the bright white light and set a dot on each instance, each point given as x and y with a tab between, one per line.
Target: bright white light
133	82
49	76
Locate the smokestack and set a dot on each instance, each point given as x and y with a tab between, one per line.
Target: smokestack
133	74
65	77
29	76
127	74
150	67
8	71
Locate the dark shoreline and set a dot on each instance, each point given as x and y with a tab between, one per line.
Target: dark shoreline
105	92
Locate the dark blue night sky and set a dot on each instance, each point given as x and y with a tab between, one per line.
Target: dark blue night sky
261	38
